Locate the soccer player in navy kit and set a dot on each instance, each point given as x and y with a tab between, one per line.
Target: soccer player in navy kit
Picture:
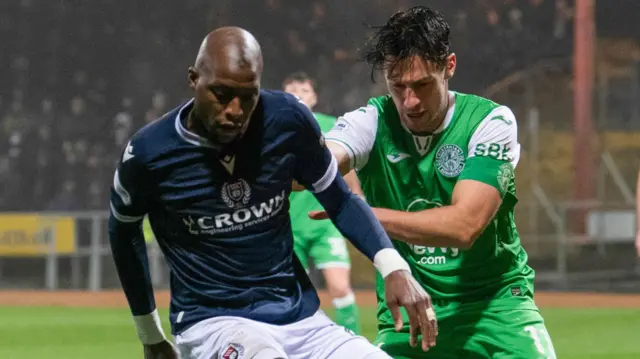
214	176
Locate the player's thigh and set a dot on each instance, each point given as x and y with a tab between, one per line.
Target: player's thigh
358	348
510	334
396	344
329	249
227	338
318	337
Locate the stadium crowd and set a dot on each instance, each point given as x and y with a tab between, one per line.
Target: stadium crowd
78	78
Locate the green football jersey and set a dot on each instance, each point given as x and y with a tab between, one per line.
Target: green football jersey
304	201
405	172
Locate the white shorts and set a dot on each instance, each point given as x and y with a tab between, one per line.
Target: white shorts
316	337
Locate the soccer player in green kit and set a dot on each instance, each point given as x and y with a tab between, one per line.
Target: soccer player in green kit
438	168
321	241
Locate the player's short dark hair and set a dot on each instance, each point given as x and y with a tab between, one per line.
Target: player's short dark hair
418	31
299	76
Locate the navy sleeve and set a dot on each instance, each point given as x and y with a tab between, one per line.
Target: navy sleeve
314	162
317	170
353	218
128	207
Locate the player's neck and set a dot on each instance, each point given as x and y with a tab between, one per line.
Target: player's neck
441	116
224	150
435	123
194	125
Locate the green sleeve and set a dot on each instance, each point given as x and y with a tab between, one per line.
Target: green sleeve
496	173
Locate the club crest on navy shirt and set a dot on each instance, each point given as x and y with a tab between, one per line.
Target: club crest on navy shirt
236	194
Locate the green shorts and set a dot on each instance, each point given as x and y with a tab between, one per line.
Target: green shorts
513	333
323	243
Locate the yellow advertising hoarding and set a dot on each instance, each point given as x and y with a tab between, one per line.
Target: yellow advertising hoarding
32	235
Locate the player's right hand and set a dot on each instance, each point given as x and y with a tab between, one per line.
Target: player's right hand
638	243
402	290
162	350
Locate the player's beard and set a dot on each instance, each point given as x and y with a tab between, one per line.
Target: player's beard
422	126
224	136
208	129
427	123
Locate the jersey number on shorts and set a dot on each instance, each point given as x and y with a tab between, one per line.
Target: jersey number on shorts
542	341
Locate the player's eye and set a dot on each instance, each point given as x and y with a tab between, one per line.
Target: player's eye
222	96
419	86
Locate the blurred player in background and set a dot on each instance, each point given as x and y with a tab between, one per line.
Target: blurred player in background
638	215
147	231
320	240
214	176
438	168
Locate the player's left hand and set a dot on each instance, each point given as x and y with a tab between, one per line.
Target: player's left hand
162	350
402	290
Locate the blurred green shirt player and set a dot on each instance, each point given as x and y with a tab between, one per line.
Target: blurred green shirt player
438	168
321	241
147	231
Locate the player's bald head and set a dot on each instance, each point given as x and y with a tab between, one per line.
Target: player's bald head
229	49
226	82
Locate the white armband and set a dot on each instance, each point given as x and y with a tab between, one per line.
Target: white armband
388	260
149	328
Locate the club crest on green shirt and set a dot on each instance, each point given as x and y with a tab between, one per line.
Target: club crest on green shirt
450	160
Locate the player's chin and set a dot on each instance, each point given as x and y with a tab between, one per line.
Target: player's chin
227	136
416	123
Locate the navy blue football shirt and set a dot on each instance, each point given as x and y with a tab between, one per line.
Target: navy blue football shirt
222	221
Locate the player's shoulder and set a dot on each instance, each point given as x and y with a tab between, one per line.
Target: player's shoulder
155	137
367	114
280	101
485	107
382	103
285	109
488	118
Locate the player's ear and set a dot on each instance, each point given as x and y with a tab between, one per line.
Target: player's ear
193	77
450	66
313	100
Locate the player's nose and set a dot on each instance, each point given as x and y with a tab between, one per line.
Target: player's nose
233	110
411	100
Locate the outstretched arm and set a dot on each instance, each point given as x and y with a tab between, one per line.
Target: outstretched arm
482	186
473	206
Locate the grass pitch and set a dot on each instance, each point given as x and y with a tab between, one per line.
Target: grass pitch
88	333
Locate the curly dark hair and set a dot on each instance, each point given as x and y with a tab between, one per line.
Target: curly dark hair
418	31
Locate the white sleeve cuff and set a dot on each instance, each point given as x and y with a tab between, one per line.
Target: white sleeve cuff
388	260
327	179
149	328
